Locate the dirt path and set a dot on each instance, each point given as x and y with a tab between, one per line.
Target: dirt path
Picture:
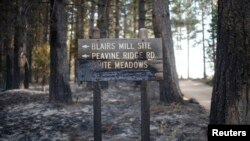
197	90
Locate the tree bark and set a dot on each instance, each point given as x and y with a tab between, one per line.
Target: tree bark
20	50
28	65
46	23
135	21
125	25
59	90
142	14
73	28
9	47
117	14
230	97
103	25
81	15
1	58
3	12
169	87
30	41
203	42
213	32
188	54
92	18
103	17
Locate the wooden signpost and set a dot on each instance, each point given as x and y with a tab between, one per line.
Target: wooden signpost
120	59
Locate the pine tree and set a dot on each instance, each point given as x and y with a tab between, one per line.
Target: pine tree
230	97
169	88
59	90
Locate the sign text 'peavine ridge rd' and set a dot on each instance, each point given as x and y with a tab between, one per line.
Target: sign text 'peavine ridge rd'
119	59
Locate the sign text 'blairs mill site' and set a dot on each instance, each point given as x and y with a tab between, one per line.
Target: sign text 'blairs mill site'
120	59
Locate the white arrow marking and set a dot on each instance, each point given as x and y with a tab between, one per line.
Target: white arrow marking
85	46
85	56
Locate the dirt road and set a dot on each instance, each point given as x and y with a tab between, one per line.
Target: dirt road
197	90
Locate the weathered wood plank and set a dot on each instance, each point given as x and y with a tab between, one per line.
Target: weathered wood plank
120	59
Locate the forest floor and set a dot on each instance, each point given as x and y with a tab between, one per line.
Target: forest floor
26	115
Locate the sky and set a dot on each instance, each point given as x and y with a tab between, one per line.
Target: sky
195	62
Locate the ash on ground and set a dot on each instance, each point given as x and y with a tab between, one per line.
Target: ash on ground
27	115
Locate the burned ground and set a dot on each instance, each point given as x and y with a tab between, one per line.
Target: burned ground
27	115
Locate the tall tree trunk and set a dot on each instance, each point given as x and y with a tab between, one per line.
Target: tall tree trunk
73	27
1	57
169	87
9	47
59	90
213	33
46	23
2	50
92	18
28	70
79	30
91	26
103	24
135	21
188	54
7	42
20	50
81	16
28	65
125	19
1	61
142	14
103	17
203	43
30	42
231	93
117	14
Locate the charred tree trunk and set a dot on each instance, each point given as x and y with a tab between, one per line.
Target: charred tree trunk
135	7
9	47
28	69
81	16
103	17
73	28
30	42
59	90
117	14
1	58
27	78
142	14
20	50
46	23
3	13
2	51
91	27
80	30
125	25
231	94
92	18
169	87
103	25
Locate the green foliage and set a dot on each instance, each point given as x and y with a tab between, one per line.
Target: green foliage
184	18
41	62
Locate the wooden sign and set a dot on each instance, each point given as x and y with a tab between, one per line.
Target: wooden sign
119	59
